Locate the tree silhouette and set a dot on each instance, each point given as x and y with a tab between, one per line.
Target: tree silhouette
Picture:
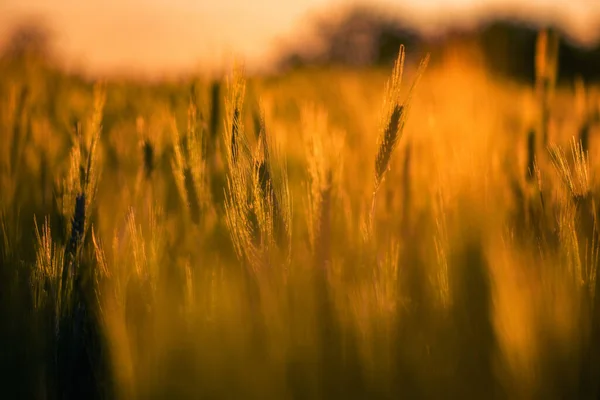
362	35
358	36
28	40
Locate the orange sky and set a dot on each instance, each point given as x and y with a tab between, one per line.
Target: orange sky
153	36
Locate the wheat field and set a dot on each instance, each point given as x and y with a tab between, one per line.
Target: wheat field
419	232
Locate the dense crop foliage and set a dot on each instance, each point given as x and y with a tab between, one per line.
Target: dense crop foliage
318	234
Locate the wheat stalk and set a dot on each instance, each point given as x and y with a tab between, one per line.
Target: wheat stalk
546	69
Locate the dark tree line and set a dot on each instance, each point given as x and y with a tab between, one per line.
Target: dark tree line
363	36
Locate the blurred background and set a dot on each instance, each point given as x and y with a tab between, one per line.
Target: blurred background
153	38
187	229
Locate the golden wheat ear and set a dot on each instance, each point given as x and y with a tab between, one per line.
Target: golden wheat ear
576	179
395	113
189	164
235	143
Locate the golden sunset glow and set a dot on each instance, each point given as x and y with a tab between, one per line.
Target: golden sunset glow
161	35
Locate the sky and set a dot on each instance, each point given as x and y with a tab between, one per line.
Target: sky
162	36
